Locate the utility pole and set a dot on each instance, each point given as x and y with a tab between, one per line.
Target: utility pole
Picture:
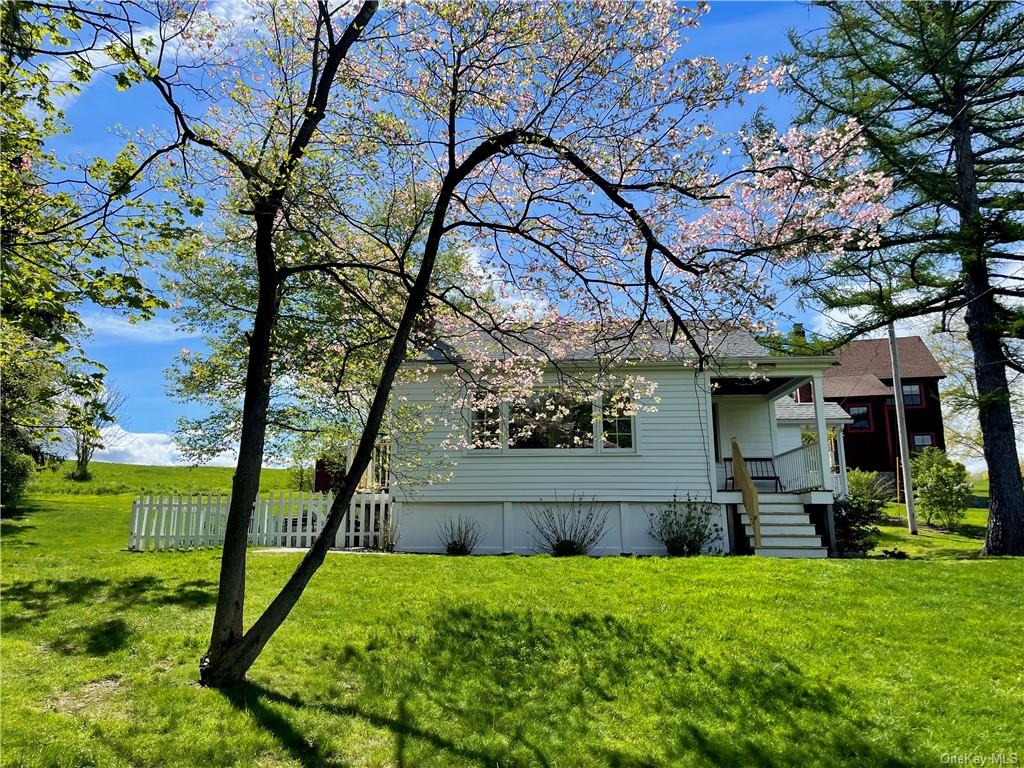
901	426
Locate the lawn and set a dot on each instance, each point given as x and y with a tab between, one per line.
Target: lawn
932	542
110	478
504	661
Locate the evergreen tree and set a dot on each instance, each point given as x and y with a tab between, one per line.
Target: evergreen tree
938	89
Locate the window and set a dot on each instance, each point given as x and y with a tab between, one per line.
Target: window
616	423
922	441
485	429
861	418
551	421
912	397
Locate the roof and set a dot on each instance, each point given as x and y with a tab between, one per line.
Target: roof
787	409
841	387
864	368
575	342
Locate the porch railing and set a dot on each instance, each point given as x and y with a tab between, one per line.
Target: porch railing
799	470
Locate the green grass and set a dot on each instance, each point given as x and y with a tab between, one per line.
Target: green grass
931	542
503	661
110	478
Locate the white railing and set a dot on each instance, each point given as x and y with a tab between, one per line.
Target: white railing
292	519
800	469
375	476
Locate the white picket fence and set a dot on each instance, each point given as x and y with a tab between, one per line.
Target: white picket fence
286	519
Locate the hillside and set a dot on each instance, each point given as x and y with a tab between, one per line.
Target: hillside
108	478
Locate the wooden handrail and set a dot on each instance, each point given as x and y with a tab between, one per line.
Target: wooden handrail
748	491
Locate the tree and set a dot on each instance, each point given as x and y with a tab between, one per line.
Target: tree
70	234
91	430
573	143
936	88
960	401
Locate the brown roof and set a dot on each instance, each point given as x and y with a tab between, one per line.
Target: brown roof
871	356
842	387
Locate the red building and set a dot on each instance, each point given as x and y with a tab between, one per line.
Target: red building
862	384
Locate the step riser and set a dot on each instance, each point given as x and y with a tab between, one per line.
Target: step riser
791	552
789	541
783	530
776	509
778	520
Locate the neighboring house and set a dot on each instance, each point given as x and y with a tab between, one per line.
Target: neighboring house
630	466
862	384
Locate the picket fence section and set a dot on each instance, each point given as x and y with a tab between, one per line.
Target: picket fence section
292	519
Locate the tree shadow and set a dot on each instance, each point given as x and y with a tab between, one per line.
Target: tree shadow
30	602
13	526
99	639
480	687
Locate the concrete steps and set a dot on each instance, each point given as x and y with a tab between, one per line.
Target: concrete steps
786	531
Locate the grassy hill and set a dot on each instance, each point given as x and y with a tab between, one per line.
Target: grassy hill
110	479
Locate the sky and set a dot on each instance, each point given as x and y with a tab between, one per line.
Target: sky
137	355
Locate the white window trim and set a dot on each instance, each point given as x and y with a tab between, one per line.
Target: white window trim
598	449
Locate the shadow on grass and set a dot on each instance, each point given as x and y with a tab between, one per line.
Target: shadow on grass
12	525
29	602
534	688
99	639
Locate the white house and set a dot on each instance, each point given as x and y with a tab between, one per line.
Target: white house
631	465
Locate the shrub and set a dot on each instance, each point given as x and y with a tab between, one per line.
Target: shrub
389	533
15	471
685	528
570	528
869	492
941	488
459	536
855	525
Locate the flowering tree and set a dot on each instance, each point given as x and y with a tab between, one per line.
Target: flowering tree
567	146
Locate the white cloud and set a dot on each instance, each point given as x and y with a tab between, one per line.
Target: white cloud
108	325
152	448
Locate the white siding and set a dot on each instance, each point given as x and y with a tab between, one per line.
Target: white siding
673	456
747	418
789	436
506	527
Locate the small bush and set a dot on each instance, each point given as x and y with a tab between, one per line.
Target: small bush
15	471
389	533
855	526
685	528
869	492
459	536
941	488
568	529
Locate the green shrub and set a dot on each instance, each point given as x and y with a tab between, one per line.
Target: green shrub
869	492
15	471
685	528
855	526
942	488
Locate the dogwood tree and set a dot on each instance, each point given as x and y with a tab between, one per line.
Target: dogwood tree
569	146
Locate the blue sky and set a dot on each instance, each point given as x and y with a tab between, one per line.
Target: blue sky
137	355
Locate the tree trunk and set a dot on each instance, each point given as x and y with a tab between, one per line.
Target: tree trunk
1005	534
227	621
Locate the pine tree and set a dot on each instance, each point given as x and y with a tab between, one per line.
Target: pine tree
938	89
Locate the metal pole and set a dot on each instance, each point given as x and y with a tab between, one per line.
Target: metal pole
901	426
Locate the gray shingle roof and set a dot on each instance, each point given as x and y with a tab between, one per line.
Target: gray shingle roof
580	342
787	409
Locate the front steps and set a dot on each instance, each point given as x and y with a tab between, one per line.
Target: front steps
786	531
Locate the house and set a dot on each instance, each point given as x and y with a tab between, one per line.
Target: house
861	383
629	466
